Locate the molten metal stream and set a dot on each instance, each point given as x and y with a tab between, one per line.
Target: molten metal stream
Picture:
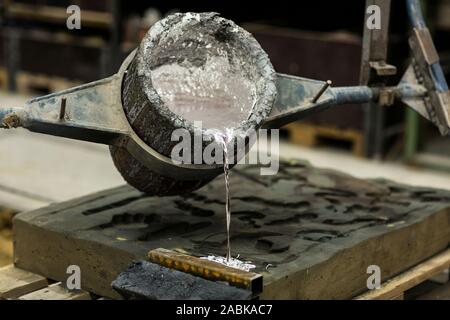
223	138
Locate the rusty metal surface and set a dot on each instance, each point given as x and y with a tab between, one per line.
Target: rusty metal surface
207	269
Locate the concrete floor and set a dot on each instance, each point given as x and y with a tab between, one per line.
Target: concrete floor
36	169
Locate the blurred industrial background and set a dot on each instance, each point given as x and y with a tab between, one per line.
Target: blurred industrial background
322	40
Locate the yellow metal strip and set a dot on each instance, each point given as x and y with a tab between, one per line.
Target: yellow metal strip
207	269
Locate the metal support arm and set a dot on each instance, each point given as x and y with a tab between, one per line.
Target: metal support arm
295	96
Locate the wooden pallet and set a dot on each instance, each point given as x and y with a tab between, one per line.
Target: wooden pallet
3	79
310	135
6	247
6	215
395	288
57	14
28	83
18	284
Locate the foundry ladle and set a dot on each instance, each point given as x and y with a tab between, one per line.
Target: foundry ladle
125	112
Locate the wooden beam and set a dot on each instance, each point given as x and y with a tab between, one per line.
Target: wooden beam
15	282
416	275
56	291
